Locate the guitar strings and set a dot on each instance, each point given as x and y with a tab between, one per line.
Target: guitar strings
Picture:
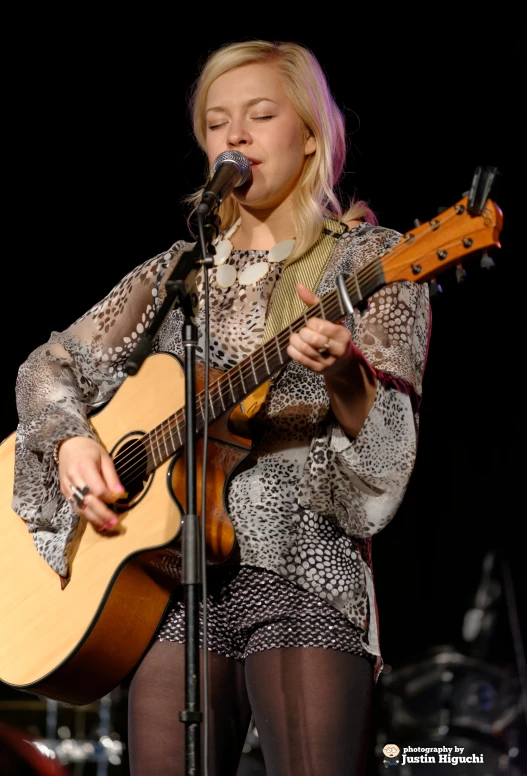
368	272
330	305
215	390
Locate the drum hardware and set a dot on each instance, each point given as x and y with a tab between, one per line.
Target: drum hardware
104	747
447	689
450	697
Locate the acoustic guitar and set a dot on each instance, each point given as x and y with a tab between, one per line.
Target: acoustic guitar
75	642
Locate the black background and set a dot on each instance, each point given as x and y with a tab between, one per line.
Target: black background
99	155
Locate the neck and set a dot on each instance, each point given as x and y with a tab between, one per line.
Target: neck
262	229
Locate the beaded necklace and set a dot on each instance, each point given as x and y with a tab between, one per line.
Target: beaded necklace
226	274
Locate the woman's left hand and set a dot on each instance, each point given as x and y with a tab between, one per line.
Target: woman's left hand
320	345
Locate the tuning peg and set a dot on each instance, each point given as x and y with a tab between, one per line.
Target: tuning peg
417	222
460	273
486	262
434	287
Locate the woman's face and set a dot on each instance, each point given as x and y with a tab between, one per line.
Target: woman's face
248	111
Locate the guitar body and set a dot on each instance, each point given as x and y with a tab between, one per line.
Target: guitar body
76	642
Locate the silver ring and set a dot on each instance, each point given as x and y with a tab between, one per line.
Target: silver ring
324	349
78	495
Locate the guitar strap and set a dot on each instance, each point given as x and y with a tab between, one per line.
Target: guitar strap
285	306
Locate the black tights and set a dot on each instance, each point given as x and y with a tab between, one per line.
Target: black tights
311	708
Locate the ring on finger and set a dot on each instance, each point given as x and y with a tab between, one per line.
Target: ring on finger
78	495
324	349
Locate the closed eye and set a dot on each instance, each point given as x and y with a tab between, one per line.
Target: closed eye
212	127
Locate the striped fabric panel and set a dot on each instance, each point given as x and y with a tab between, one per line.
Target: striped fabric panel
285	305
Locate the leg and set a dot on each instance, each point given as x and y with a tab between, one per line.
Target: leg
157	695
312	709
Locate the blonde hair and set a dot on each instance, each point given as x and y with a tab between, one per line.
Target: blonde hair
304	82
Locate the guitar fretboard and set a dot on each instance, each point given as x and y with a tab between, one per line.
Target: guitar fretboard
419	255
237	383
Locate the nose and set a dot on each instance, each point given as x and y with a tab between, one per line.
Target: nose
238	134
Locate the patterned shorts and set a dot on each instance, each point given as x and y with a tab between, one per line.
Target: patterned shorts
252	609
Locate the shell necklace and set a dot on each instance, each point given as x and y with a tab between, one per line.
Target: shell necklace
226	274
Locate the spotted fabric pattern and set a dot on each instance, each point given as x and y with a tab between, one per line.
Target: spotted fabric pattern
307	500
250	610
237	314
74	373
394	331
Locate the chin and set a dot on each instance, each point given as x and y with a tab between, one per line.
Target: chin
258	200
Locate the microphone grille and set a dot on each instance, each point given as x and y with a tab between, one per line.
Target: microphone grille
240	161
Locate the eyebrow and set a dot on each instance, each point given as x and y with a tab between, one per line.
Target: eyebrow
249	104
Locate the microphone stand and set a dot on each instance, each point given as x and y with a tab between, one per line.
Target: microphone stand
181	291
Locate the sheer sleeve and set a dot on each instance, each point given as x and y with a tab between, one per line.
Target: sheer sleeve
361	482
58	386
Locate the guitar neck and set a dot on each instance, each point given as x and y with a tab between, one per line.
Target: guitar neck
421	254
238	382
232	387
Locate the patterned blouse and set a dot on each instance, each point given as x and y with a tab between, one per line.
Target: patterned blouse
311	498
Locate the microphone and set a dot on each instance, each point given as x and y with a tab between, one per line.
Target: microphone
230	169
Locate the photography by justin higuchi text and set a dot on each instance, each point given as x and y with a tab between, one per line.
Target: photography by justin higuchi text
394	755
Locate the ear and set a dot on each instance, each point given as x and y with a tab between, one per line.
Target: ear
310	146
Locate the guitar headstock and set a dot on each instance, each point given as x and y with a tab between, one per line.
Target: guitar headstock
444	241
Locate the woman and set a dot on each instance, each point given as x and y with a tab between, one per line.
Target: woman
292	630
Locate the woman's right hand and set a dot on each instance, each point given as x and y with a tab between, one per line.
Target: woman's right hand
86	467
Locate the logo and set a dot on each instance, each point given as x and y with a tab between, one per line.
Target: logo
453	755
391	754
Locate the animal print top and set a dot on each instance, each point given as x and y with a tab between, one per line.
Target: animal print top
308	500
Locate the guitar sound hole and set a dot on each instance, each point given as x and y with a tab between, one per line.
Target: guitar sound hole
131	465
